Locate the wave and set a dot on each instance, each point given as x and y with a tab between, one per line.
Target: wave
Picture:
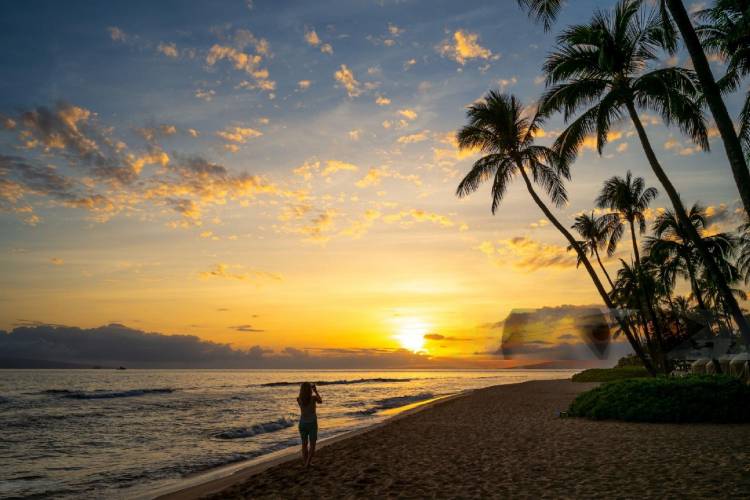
104	394
394	402
342	382
264	428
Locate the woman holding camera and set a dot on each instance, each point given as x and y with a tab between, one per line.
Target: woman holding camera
308	420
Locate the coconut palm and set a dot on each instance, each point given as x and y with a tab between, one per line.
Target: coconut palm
546	11
595	231
633	282
602	65
676	254
628	198
743	247
725	31
714	299
503	130
712	95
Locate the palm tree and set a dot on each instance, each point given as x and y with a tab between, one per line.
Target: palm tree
712	96
675	252
743	257
595	232
546	11
504	131
629	198
726	32
633	282
602	63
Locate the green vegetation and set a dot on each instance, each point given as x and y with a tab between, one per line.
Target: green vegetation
610	374
697	398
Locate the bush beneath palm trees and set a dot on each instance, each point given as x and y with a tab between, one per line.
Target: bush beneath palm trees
610	374
692	399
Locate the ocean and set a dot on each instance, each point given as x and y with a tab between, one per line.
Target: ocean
122	434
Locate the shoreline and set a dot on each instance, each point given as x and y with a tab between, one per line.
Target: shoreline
215	480
509	441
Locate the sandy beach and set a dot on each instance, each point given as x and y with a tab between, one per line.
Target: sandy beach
509	442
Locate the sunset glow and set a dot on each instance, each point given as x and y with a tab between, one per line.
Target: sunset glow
411	332
283	178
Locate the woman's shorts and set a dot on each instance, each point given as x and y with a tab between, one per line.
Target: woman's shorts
308	430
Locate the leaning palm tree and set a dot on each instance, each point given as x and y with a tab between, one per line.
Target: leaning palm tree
595	231
628	198
546	11
602	64
725	31
504	131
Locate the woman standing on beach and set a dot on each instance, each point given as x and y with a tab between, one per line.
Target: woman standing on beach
308	420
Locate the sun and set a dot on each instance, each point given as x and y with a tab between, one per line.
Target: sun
411	332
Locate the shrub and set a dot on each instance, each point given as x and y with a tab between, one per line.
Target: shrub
629	360
695	398
610	374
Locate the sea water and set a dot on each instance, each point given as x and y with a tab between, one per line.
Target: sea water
120	434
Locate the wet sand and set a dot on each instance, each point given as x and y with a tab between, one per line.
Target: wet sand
508	442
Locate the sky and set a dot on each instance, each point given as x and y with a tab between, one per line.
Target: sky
279	175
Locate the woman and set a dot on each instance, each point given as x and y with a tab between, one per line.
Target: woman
308	420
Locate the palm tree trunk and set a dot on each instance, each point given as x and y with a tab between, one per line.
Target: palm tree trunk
715	102
692	233
635	244
694	284
604	269
582	256
647	302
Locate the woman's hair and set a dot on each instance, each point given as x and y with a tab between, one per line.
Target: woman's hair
305	393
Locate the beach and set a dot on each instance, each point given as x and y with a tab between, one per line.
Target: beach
508	442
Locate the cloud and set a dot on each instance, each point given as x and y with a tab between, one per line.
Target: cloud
246	329
224	271
447	153
408	217
333	166
239	135
242	61
168	49
205	95
56	261
504	83
407	113
116	34
382	101
22	182
304	84
676	146
462	47
443	338
312	39
118	345
345	78
413	138
527	254
376	174
589	142
116	177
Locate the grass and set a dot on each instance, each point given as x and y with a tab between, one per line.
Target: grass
695	398
610	374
